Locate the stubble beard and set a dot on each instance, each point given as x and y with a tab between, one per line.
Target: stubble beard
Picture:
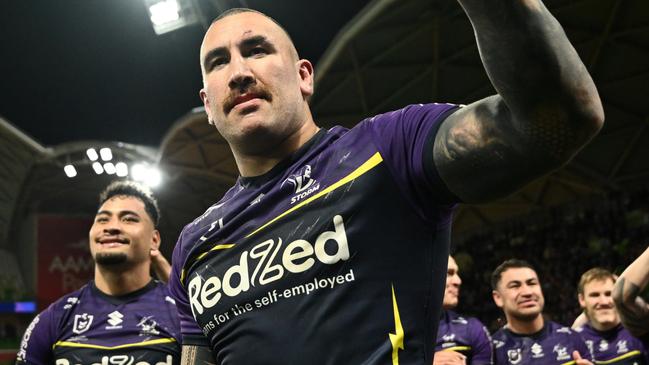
111	259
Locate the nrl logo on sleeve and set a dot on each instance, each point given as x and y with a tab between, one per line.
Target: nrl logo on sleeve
82	323
302	183
514	356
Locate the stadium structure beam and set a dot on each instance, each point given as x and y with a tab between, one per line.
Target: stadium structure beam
359	77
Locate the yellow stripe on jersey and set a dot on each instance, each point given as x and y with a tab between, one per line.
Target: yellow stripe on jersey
217	247
458	348
572	362
619	358
365	167
91	346
397	337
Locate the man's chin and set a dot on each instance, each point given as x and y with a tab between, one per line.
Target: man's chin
108	259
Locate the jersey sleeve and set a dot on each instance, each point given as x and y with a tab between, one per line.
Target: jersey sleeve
36	345
481	344
190	331
405	140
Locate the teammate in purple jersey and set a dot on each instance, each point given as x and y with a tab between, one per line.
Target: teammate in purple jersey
460	340
607	339
123	316
528	338
633	308
332	245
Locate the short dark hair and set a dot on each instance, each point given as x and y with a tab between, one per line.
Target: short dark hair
234	11
496	275
136	190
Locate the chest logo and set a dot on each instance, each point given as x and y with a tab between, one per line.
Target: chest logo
514	356
82	323
302	183
148	326
562	352
622	347
537	350
115	320
603	345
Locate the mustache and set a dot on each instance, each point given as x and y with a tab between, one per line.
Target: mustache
232	100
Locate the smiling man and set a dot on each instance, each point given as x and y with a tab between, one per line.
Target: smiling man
528	338
607	339
123	316
460	340
332	245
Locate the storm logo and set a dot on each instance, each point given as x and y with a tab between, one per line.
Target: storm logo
302	184
257	266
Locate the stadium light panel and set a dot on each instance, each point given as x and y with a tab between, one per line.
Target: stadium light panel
92	154
70	171
106	154
121	169
169	15
109	168
97	167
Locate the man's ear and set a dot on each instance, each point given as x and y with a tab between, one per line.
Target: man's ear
206	104
305	72
497	298
582	300
155	240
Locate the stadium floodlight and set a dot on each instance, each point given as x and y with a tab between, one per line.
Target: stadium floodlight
153	178
97	167
109	168
121	169
149	175
92	154
106	154
169	15
70	171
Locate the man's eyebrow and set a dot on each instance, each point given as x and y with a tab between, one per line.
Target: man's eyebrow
121	213
212	54
255	41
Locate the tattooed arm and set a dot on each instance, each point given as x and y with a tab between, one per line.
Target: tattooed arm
547	107
633	310
197	355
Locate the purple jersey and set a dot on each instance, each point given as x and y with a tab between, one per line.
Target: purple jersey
327	258
90	327
615	346
465	335
554	344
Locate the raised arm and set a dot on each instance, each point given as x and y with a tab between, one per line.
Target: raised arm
546	109
632	309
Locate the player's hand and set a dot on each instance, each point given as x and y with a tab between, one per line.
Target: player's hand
578	360
449	357
160	265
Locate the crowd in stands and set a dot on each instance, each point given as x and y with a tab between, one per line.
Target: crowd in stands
561	243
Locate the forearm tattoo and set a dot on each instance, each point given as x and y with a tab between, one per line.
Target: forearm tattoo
196	355
633	311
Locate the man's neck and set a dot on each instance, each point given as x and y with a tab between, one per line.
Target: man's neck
603	327
259	164
525	326
116	282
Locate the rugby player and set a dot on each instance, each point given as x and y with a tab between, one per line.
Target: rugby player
607	339
528	338
332	246
123	316
633	308
460	340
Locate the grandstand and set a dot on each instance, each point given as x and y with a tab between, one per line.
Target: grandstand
595	211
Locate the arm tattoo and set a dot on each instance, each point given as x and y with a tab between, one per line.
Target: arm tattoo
197	355
633	311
